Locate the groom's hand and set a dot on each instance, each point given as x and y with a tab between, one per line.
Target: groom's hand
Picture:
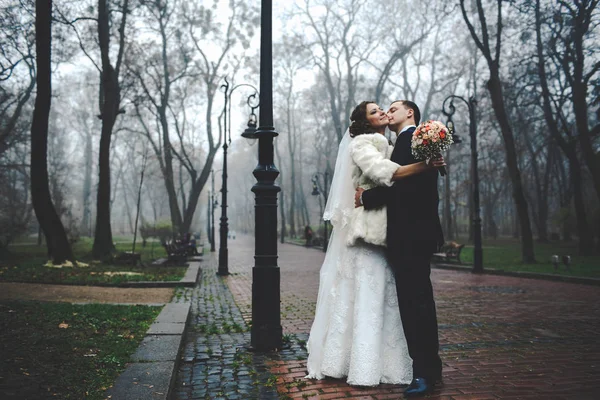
358	197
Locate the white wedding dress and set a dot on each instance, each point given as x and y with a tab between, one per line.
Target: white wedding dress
357	331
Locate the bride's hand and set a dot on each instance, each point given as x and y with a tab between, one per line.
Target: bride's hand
357	199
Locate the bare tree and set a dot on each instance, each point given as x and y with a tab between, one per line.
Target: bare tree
338	50
494	84
166	81
110	108
567	144
573	45
59	248
17	67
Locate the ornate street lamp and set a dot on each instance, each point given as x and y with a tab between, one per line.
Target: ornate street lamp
471	105
224	226
266	332
316	192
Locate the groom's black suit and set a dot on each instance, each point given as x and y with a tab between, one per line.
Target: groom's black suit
414	233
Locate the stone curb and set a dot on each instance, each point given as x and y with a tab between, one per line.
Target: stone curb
152	373
521	274
188	280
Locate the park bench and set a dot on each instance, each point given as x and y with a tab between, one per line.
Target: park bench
175	254
450	251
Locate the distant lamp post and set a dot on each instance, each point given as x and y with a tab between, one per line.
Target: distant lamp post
266	333
471	105
317	192
249	133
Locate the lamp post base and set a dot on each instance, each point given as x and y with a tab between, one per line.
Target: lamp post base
223	267
266	332
477	260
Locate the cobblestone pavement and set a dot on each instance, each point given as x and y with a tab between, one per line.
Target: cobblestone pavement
500	337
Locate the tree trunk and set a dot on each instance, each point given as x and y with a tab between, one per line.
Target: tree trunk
278	161
494	86
193	198
470	209
292	208
516	225
59	248
586	242
495	89
540	186
580	81
127	208
110	100
87	186
168	173
103	242
292	153
586	238
182	192
282	214
580	107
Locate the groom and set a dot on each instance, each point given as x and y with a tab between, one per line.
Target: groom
414	233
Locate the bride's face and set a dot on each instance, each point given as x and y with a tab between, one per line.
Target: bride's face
376	117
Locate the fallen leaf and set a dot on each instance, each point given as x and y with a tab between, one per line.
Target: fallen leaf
63	325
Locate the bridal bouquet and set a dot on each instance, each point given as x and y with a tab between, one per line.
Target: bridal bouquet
429	140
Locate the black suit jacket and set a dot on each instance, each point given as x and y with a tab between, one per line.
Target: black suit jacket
412	206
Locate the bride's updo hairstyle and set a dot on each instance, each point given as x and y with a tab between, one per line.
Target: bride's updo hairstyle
358	118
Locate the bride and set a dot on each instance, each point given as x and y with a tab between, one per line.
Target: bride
357	332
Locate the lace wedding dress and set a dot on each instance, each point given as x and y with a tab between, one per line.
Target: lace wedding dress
357	331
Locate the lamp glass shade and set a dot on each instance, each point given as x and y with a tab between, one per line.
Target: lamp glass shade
250	133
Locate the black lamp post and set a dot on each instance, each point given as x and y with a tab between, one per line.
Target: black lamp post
317	192
213	203
266	333
471	104
249	134
209	212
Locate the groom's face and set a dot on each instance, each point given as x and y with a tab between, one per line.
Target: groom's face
398	114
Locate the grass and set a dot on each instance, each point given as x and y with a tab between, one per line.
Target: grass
24	262
505	254
66	351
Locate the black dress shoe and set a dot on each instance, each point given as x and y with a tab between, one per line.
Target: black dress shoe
418	387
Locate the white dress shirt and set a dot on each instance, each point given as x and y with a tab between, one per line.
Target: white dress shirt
406	128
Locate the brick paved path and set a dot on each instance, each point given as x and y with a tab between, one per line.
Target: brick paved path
500	337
